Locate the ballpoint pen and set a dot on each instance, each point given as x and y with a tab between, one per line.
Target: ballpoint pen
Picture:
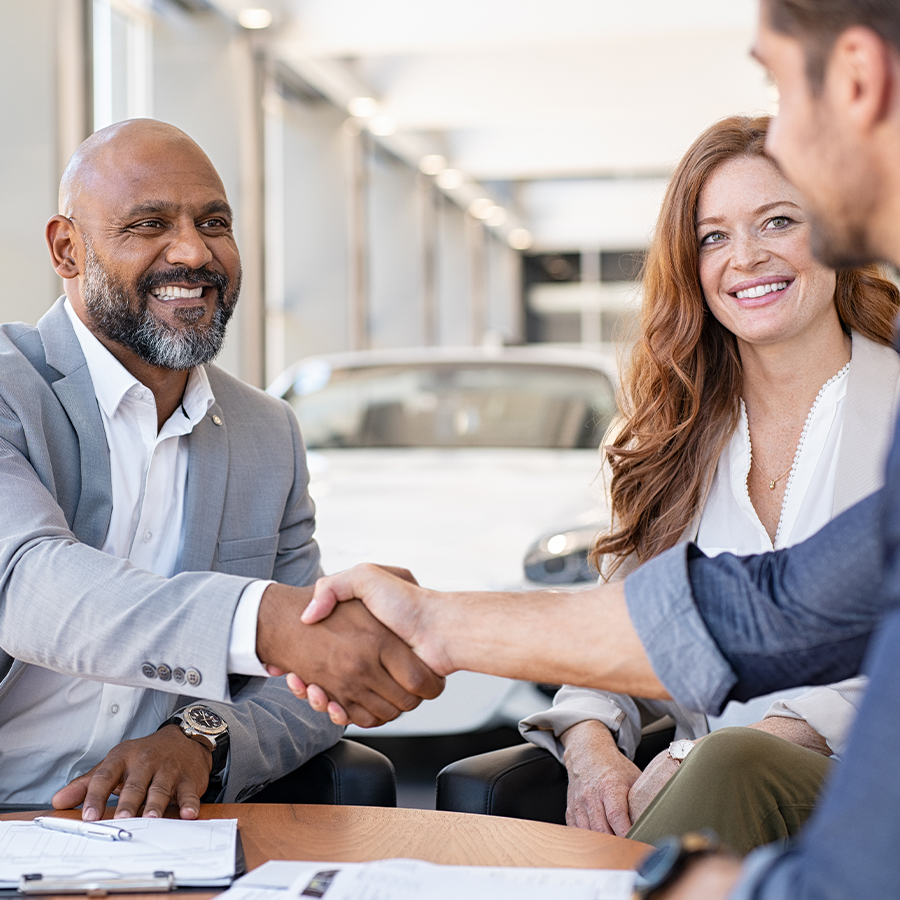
87	829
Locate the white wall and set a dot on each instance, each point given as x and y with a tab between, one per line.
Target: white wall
29	164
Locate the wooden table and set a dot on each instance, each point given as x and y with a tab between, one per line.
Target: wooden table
360	833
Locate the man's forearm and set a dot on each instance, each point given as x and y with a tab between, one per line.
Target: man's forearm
583	638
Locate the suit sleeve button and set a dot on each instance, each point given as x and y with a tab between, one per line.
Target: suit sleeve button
164	672
178	675
192	677
148	670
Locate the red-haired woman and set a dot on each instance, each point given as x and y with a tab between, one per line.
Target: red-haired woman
757	404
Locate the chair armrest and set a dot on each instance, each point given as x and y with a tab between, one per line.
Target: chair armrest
347	774
523	782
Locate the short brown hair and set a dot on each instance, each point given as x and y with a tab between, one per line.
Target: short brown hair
817	24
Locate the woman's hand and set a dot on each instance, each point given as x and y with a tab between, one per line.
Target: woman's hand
659	770
600	777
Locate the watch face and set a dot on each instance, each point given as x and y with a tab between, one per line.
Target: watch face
680	749
204	718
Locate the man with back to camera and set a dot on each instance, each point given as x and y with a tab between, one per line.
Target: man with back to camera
157	526
802	615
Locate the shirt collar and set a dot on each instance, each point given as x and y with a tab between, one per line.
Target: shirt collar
112	381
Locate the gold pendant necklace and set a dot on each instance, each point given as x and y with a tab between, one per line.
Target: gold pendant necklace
772	481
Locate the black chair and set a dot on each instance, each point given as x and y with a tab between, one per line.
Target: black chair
522	782
347	774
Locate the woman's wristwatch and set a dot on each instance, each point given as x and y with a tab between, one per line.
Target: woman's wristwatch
669	860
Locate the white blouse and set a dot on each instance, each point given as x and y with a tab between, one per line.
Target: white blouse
730	524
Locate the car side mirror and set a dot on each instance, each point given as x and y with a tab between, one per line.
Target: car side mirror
562	557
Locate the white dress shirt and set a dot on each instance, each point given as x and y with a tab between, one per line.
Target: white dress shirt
54	727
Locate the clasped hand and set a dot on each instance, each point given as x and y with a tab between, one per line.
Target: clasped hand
358	669
395	600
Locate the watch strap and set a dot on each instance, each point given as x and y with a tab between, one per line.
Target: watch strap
668	861
219	752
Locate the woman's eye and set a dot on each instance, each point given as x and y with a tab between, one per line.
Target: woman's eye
714	237
780	221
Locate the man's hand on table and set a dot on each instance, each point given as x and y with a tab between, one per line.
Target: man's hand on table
162	768
366	674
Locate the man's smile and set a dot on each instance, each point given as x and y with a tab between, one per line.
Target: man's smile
174	292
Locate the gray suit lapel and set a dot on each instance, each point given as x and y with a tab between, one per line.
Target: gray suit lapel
205	497
75	391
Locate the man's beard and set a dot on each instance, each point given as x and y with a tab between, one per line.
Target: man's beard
120	314
839	248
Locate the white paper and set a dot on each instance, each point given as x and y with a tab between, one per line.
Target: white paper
405	879
199	852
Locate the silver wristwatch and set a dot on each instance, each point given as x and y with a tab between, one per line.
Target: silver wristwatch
199	722
678	750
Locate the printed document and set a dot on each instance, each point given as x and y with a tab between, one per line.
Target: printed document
410	879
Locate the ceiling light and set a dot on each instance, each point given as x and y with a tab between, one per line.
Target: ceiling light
255	17
432	164
519	239
450	179
482	207
362	107
497	217
382	125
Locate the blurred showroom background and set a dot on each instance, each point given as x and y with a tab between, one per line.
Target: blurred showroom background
416	184
404	172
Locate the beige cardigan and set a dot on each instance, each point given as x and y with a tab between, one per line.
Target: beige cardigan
873	396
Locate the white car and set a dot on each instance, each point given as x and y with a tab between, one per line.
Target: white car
457	463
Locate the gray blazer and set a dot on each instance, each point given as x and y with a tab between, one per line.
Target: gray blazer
66	605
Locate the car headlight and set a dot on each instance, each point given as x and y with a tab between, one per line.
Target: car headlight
562	557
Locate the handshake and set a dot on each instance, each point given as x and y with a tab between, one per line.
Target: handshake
375	643
370	643
363	661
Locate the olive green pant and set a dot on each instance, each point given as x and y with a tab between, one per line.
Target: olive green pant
750	787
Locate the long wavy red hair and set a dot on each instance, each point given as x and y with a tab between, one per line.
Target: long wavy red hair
681	386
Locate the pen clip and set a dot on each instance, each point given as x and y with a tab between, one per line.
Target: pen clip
119	834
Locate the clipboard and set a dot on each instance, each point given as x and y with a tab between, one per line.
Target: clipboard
155	882
213	858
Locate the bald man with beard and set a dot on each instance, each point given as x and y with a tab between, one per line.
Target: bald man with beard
157	531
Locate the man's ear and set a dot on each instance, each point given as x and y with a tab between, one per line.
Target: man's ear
63	243
861	77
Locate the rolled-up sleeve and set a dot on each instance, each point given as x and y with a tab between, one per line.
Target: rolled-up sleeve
732	628
683	653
